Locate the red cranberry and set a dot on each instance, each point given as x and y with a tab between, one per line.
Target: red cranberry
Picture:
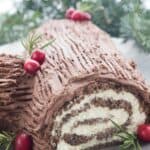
31	66
80	16
143	132
69	13
39	56
23	141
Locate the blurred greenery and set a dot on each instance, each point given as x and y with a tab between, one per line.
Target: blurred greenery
120	19
136	25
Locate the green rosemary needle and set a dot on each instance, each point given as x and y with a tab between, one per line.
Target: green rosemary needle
129	140
32	42
6	140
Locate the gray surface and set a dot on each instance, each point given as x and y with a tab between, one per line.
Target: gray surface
129	50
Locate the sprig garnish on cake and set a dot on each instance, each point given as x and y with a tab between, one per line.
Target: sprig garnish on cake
130	140
32	45
6	140
33	40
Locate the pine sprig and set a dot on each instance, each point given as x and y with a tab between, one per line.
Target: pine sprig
6	140
130	141
32	41
47	44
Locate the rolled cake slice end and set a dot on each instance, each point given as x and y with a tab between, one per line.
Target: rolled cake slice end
83	84
84	122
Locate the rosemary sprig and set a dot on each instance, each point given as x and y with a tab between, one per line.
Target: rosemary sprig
6	140
48	43
130	141
32	42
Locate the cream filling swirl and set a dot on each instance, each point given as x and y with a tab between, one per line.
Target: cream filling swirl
119	115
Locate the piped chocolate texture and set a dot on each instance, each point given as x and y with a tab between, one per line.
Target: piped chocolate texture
81	56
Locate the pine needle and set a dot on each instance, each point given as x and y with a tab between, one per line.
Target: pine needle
6	140
32	41
130	141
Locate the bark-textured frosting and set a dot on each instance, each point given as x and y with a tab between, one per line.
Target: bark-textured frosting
81	55
15	92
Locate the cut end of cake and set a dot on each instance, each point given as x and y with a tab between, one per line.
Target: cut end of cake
83	85
86	122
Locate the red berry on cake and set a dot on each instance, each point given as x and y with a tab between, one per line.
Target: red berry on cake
31	66
144	132
69	12
23	141
80	16
39	56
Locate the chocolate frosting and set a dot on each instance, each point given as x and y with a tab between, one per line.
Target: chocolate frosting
81	54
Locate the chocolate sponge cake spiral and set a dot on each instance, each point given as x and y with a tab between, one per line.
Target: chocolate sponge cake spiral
83	83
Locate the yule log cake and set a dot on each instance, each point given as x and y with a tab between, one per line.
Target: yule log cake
83	83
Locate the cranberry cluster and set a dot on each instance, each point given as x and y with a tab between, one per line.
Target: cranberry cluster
77	15
33	64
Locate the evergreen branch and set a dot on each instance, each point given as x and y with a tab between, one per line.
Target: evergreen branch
6	140
32	41
136	25
130	141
